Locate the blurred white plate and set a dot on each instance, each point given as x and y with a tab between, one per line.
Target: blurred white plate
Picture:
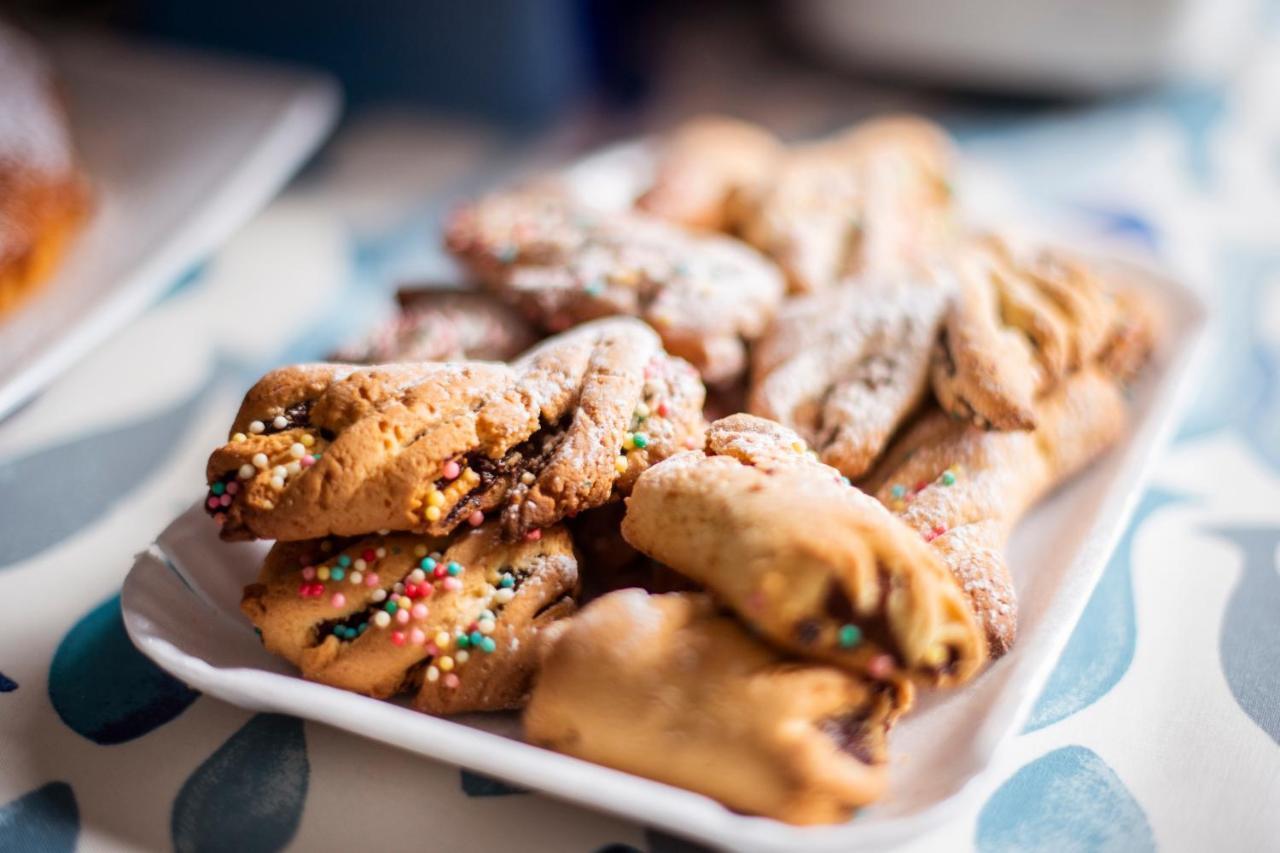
181	608
181	149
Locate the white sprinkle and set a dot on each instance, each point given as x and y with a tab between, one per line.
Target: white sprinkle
433	674
356	577
382	618
461	655
280	471
399	588
384	531
360	565
379	595
256	427
277	482
504	595
381	552
417	576
280	422
260	460
247	471
297	451
486	626
294	468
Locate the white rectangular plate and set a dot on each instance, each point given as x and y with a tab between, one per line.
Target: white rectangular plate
180	149
181	607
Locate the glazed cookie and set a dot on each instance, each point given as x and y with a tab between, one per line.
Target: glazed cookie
322	450
702	165
565	263
435	324
667	688
963	488
807	560
455	622
844	367
872	200
1023	318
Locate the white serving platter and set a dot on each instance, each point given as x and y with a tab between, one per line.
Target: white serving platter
181	149
181	608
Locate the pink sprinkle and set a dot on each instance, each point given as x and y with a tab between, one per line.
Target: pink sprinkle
309	573
451	470
338	599
880	666
452	584
233	487
226	500
417	636
432	649
476	518
533	535
213	502
450	681
305	462
402	616
397	637
419	611
371	580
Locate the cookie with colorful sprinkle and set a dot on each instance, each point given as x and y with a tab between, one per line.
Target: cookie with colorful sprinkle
456	622
327	449
844	367
702	165
872	200
668	687
803	557
565	263
963	489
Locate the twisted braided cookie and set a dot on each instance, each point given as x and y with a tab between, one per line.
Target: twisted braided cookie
565	263
388	614
1023	319
871	200
666	687
963	488
326	449
845	366
804	558
702	165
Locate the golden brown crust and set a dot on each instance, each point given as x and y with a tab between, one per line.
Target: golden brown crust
813	564
874	199
565	263
428	447
667	688
702	165
43	197
448	632
844	367
964	488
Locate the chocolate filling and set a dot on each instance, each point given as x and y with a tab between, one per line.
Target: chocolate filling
297	415
849	732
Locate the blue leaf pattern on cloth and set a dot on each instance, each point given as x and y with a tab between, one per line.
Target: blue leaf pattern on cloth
7	684
55	492
1101	647
247	796
1249	645
1065	800
477	785
105	689
47	820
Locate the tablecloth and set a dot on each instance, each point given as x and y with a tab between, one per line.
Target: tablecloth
1159	728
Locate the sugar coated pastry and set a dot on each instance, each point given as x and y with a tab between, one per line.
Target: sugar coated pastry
326	449
565	263
666	687
1024	317
809	561
845	366
874	199
456	622
436	324
43	197
964	488
703	164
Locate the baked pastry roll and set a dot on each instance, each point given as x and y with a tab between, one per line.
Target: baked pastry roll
564	263
874	199
702	165
807	560
327	449
454	622
43	196
666	687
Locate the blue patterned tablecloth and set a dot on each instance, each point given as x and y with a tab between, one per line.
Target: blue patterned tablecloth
1160	727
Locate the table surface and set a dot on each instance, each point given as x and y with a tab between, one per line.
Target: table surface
1160	726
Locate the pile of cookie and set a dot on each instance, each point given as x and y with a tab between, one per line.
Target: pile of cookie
742	608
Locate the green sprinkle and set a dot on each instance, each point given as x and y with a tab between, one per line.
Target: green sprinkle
344	561
948	479
506	582
361	629
337	573
454	569
427	564
898	491
462	641
488	646
594	288
507	252
846	481
390	607
218	488
849	636
477	639
640	440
